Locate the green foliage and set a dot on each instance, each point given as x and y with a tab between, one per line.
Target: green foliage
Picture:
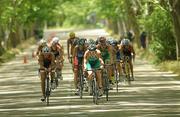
159	24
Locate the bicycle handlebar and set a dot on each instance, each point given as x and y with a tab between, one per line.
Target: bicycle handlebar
94	69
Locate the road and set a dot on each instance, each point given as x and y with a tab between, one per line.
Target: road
152	94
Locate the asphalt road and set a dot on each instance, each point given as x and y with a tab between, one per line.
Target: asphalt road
152	94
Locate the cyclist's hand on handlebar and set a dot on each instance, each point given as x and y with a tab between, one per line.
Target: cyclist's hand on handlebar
101	66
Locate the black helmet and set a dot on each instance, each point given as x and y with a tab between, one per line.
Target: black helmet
92	47
91	41
114	42
81	41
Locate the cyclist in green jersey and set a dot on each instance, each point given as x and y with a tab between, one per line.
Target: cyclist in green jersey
107	55
92	59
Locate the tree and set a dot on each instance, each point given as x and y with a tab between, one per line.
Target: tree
175	12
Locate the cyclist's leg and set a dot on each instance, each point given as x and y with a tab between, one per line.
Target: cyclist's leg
99	81
119	68
52	75
43	76
75	74
99	76
59	67
131	68
89	78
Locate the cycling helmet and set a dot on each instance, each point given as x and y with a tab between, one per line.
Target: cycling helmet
55	40
81	41
114	42
42	42
91	41
109	41
92	47
45	49
71	34
125	42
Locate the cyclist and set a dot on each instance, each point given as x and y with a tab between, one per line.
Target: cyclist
117	57
71	43
42	43
106	53
93	59
78	55
58	52
127	50
46	61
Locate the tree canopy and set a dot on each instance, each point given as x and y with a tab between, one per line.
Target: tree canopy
21	19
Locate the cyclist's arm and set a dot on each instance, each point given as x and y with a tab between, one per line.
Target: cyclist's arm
74	52
100	57
53	64
85	59
62	49
134	54
61	53
37	51
41	62
68	47
110	49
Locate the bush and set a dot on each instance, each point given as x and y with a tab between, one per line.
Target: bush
159	24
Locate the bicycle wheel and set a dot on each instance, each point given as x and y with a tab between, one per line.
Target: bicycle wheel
47	91
81	83
116	78
95	91
127	68
56	79
106	85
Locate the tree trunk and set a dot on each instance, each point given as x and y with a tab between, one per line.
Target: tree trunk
115	27
121	27
1	40
176	21
132	21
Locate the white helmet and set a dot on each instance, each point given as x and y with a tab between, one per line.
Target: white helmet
125	42
55	40
42	42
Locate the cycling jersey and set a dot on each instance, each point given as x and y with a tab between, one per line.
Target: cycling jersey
73	41
56	53
105	54
118	55
47	63
93	62
80	55
127	51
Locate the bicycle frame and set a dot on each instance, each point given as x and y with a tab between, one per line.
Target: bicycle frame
106	80
81	80
127	68
95	88
116	74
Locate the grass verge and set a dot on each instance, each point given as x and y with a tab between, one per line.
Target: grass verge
173	65
10	54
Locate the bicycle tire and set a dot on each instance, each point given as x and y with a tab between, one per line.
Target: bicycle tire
116	77
47	91
106	85
81	83
107	88
127	71
95	91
